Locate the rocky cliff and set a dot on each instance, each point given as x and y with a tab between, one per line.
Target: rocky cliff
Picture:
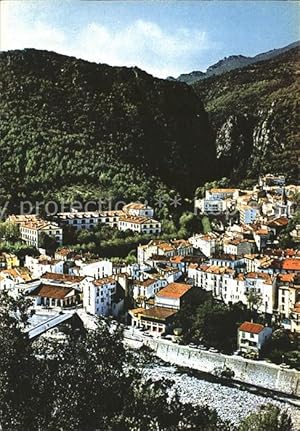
254	112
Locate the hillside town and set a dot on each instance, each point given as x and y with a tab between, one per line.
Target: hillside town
236	262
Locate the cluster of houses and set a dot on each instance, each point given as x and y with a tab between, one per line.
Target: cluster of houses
151	292
241	263
269	198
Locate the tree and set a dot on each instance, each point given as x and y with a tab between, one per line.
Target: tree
9	231
254	299
189	223
17	366
48	243
268	418
88	382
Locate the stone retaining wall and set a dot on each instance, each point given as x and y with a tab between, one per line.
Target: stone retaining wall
259	373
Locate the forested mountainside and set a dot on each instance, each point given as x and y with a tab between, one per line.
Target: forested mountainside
233	62
254	112
70	127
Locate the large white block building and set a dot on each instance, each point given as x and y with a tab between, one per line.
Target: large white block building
139	224
103	297
217	201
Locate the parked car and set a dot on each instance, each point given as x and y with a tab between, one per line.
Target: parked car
193	345
213	350
283	365
201	347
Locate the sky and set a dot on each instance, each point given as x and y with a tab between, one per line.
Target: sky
165	38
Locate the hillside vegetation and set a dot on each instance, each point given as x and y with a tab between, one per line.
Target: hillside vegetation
254	112
73	128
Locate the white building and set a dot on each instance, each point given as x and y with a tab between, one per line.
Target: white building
228	261
270	180
255	290
139	224
87	220
248	214
103	297
217	201
32	232
260	289
96	270
143	290
239	247
168	301
212	278
137	209
208	243
260	237
173	295
252	337
167	249
288	300
39	265
222	193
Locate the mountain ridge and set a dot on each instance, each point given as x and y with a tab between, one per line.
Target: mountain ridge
232	62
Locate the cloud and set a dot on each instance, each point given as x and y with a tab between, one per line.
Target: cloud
142	43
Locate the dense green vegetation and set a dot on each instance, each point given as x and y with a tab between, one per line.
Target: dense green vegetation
270	418
284	347
285	239
76	130
211	322
10	241
72	129
91	382
254	114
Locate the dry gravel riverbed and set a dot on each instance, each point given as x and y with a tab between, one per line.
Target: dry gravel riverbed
231	403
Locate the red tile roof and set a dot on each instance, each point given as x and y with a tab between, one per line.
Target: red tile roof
145	283
278	222
104	280
55	292
286	278
158	313
253	328
62	277
263	275
291	264
176	259
174	290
